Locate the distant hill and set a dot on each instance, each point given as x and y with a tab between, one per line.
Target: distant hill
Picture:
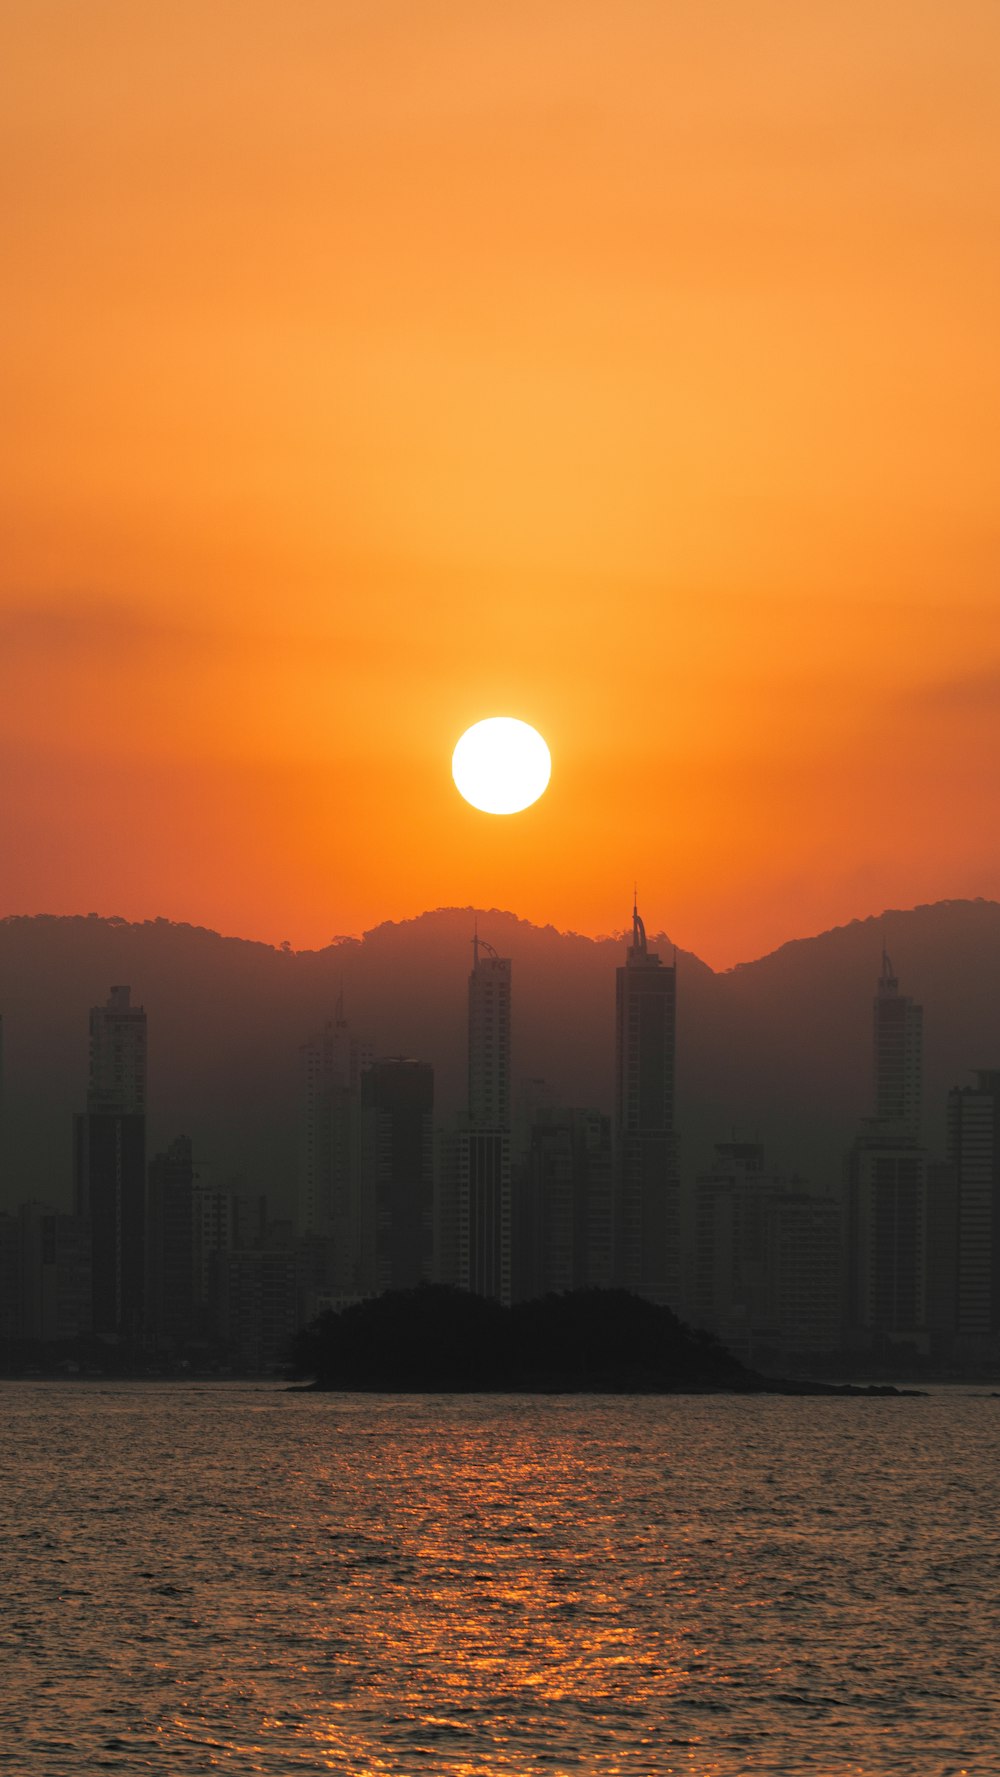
780	1047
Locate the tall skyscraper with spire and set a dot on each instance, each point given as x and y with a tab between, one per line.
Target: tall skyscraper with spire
647	1188
110	1164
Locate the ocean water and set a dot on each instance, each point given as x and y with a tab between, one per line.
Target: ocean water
238	1579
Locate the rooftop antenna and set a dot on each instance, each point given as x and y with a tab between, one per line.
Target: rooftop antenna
638	929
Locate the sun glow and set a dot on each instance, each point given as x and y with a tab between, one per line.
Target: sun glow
501	765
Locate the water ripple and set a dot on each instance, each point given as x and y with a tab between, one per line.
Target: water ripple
236	1579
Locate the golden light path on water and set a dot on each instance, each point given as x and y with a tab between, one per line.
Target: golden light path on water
205	1579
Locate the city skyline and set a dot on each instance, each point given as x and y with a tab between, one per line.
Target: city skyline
397	971
500	906
904	1255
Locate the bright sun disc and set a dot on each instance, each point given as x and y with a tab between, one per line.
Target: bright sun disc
501	765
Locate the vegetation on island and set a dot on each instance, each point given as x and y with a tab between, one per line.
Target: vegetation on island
436	1339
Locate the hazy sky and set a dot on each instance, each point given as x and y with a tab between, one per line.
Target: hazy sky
630	367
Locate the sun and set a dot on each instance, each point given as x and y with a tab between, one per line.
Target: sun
501	765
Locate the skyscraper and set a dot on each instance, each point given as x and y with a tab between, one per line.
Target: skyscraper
898	1058
887	1181
974	1151
332	1063
474	1207
55	1273
489	1038
170	1247
565	1238
767	1257
397	1109
647	1193
110	1164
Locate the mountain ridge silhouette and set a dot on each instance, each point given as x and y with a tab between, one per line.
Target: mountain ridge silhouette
779	1047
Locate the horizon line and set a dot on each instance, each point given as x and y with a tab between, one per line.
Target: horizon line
284	947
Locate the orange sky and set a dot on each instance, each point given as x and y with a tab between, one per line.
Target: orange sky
370	368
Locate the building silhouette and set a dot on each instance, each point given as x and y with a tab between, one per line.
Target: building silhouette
489	1038
647	1191
897	1058
55	1273
887	1183
332	1063
10	1278
263	1291
767	1272
110	1165
566	1197
219	1220
474	1214
974	1153
397	1163
727	1239
170	1270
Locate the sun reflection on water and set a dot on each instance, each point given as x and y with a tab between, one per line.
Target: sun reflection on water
479	1587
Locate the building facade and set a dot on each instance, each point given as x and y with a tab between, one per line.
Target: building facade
397	1156
170	1271
568	1198
887	1184
474	1226
332	1064
897	1058
974	1154
110	1166
647	1188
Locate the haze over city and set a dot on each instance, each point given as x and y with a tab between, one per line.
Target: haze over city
499	895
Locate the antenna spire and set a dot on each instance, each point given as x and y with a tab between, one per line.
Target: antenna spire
887	980
638	929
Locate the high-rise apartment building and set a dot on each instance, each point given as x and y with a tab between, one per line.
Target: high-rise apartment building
898	1058
887	1182
263	1293
11	1317
332	1063
397	1135
887	1232
55	1273
110	1164
767	1266
489	1038
974	1152
170	1246
567	1192
725	1288
647	1192
215	1232
473	1233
